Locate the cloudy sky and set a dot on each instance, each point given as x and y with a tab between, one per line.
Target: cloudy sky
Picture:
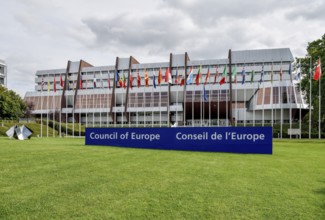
37	35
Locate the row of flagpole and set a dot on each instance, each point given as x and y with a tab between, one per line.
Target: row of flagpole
189	81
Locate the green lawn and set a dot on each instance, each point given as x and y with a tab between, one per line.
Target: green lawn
62	178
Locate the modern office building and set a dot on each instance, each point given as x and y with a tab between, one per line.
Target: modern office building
3	73
246	87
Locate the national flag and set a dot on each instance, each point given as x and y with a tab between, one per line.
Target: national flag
182	80
154	80
42	84
252	76
290	72
131	81
234	74
190	76
123	81
61	81
95	81
216	76
138	80
223	80
281	73
262	74
298	72
318	70
204	94
54	85
207	78
80	82
146	78
117	77
198	77
243	73
224	73
160	79
176	78
168	77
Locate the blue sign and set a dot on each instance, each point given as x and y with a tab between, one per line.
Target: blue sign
256	140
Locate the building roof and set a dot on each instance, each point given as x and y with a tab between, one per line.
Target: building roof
262	55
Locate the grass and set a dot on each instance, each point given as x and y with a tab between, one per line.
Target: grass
61	178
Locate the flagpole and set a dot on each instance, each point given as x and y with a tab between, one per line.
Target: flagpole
218	90
152	99
310	92
290	100
66	109
47	114
254	98
281	102
87	109
60	117
100	100
209	105
53	106
42	85
319	106
301	99
271	98
73	89
236	91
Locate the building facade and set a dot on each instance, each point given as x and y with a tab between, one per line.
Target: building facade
246	88
3	73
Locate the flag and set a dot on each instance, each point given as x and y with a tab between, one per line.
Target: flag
42	83
281	73
176	78
318	71
48	86
131	80
216	76
61	81
204	94
224	73
223	80
190	76
298	72
290	72
123	80
198	77
234	74
252	76
95	83
138	80
262	74
272	73
154	80
182	80
54	85
243	73
146	78
80	83
160	79
168	77
207	78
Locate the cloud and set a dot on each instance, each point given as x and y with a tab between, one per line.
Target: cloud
46	34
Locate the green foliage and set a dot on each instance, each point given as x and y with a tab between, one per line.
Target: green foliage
12	106
60	178
315	49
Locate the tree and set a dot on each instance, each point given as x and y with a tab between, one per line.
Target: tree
12	106
315	50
